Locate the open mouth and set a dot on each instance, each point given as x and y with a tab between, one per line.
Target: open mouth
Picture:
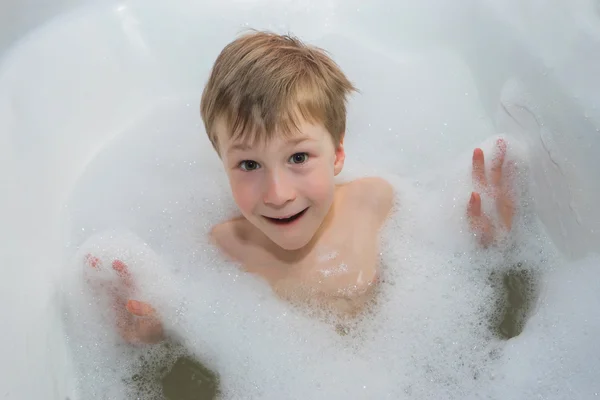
287	220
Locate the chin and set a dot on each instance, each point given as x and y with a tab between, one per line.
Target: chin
291	245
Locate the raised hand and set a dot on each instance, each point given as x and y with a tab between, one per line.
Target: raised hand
137	322
499	188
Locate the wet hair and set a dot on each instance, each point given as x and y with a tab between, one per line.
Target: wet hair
264	84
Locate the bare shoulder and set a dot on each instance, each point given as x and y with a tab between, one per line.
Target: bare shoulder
372	190
374	193
231	237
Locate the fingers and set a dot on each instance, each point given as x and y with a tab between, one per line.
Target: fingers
506	210
474	213
499	187
506	202
121	268
136	321
474	207
92	261
479	175
139	324
479	169
496	172
140	309
148	329
479	223
508	180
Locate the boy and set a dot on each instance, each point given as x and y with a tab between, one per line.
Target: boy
275	112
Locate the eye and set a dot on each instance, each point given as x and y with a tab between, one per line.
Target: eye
248	165
299	158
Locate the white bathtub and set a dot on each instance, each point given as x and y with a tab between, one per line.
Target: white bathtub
69	85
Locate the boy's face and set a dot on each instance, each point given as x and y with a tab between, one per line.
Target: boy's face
284	187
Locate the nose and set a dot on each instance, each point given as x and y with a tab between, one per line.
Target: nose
279	190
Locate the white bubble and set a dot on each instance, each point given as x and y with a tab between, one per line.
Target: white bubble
431	333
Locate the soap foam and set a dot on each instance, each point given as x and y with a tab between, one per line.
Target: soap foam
151	197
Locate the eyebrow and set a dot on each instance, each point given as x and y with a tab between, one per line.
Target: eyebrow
239	146
242	146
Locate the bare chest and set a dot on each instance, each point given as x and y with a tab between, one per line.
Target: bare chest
341	270
340	273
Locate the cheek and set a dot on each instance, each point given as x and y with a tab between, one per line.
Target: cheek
319	187
244	192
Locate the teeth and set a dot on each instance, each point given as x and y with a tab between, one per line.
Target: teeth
293	215
284	218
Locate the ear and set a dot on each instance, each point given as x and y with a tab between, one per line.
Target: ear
340	156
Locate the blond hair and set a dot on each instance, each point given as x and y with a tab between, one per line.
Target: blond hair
263	83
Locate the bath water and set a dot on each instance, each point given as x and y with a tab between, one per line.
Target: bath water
151	196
